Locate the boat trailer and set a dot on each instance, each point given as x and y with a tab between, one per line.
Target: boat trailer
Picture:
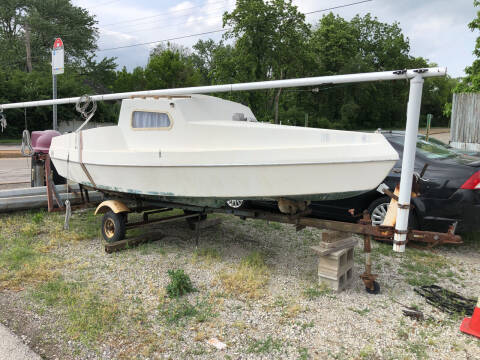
115	223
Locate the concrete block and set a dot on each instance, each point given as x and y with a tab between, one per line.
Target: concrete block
335	264
338	283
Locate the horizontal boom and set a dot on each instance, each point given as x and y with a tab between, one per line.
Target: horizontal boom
261	85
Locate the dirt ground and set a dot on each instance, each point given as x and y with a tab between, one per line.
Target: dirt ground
256	291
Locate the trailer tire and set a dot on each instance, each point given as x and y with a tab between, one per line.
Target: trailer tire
375	290
114	226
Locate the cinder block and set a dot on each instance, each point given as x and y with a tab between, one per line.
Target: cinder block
337	283
335	264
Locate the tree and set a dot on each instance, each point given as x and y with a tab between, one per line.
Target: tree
365	44
270	42
169	68
471	82
30	26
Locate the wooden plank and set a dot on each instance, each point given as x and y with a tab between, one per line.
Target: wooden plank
331	245
322	251
334	236
391	216
135	241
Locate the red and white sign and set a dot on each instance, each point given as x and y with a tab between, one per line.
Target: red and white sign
58	57
57	44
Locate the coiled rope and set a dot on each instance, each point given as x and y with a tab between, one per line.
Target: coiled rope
3	120
26	148
86	106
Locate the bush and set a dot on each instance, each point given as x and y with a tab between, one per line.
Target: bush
180	283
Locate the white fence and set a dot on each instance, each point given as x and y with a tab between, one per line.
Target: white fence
465	124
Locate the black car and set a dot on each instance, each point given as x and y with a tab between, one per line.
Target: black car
449	190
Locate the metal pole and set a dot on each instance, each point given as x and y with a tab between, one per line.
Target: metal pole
429	124
54	98
261	85
408	162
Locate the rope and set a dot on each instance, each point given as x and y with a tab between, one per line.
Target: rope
86	106
446	300
68	208
68	214
3	120
26	144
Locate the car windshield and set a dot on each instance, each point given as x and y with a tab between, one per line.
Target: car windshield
431	150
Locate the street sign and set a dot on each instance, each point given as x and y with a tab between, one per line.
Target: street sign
58	63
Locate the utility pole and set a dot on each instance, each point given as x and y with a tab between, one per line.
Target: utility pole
28	49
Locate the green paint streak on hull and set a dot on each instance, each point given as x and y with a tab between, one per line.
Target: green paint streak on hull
217	202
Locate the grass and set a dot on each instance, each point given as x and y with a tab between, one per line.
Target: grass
180	284
422	267
303	354
88	316
264	346
314	292
209	255
10	141
361	312
248	279
28	238
177	312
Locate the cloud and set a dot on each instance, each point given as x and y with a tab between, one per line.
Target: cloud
437	29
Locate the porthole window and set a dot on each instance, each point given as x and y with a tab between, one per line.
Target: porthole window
150	120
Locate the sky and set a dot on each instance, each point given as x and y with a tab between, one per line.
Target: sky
437	29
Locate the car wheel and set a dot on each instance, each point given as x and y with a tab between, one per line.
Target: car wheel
236	204
378	210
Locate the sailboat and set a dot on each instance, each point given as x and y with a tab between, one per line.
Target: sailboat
199	149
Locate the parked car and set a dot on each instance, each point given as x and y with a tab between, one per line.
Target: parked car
449	190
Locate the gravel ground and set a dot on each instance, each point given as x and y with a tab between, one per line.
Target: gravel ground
274	310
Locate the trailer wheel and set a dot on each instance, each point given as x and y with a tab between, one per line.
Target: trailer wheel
376	289
114	226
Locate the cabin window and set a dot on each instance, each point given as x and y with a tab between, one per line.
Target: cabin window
150	120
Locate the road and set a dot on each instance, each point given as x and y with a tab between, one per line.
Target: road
14	173
12	348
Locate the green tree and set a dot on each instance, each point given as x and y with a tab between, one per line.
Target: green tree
471	82
28	28
270	43
170	68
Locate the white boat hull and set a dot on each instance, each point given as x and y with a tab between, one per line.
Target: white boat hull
227	182
204	154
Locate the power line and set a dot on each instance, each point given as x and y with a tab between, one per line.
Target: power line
222	30
160	14
171	39
104	3
213	12
338	7
214	15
